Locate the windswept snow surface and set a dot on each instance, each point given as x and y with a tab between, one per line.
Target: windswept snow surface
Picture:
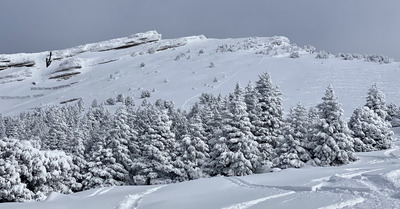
180	70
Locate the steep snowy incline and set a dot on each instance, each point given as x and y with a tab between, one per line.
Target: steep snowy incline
181	69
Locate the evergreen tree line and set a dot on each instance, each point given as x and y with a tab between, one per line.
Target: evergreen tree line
69	149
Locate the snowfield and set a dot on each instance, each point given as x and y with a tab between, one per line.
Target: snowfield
371	182
181	70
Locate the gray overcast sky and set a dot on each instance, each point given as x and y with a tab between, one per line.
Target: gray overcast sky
363	26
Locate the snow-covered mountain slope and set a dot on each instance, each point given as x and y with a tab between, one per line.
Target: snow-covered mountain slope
371	182
181	69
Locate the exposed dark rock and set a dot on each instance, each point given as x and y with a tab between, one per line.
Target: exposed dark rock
70	100
65	76
127	45
68	69
8	64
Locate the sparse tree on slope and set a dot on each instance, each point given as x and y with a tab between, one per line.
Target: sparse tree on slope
332	140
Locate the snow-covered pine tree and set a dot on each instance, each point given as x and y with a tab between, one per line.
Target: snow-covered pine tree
158	147
12	127
178	117
194	148
102	166
252	104
11	188
270	118
56	138
59	168
376	101
180	129
312	120
291	152
122	138
131	121
34	173
129	101
36	124
394	115
373	132
332	140
210	108
98	120
242	155
2	127
77	149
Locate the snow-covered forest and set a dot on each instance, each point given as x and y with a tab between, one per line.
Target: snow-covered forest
70	148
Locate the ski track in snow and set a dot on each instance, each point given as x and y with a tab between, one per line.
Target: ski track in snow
319	187
132	201
348	203
250	203
96	192
354	174
101	191
389	153
243	183
106	190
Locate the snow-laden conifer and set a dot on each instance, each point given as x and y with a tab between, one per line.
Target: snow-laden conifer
56	138
373	131
194	147
252	104
291	152
241	156
333	144
27	173
157	147
269	121
122	141
102	166
2	127
376	101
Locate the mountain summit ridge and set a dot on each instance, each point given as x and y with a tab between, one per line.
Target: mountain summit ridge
182	69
